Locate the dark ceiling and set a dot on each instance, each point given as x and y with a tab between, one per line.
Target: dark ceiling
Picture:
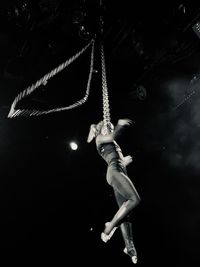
145	46
53	195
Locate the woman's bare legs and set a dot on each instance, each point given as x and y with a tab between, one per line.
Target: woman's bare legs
125	207
123	187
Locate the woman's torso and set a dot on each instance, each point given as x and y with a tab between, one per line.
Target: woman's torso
109	152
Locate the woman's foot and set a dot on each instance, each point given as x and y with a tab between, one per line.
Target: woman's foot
108	229
132	253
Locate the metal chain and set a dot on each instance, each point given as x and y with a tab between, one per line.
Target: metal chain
26	92
106	107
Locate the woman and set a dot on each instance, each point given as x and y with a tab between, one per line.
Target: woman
125	193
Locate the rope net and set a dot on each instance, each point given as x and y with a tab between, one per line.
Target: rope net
15	112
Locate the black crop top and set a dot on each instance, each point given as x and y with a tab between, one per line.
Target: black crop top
109	151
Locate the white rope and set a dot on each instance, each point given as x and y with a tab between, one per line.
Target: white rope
26	92
106	106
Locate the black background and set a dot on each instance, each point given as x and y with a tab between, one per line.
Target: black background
55	201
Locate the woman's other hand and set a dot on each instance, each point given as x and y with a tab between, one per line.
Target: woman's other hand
127	160
125	122
91	134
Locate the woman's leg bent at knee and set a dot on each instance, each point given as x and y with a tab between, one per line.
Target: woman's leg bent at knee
126	190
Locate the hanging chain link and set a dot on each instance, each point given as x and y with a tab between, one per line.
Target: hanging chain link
26	92
106	106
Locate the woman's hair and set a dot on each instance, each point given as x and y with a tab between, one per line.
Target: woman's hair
98	127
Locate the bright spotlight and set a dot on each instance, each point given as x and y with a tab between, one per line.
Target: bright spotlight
73	146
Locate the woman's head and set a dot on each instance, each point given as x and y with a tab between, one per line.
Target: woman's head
104	128
99	128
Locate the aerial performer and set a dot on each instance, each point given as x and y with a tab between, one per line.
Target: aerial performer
125	193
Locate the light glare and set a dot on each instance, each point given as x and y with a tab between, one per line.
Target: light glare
73	146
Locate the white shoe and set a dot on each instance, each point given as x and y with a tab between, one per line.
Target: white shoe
133	258
105	237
